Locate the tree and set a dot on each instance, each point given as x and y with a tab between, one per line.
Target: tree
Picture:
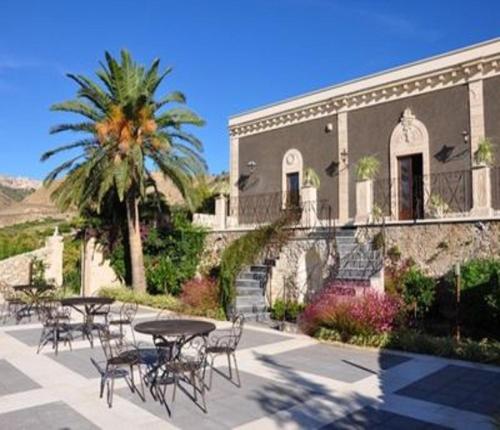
127	129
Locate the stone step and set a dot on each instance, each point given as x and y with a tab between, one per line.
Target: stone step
259	268
250	309
362	274
250	301
359	263
248	283
257	317
247	274
345	232
249	291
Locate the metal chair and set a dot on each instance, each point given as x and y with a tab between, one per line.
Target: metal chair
121	359
188	364
56	326
225	342
126	316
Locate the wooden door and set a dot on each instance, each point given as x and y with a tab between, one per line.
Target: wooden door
410	187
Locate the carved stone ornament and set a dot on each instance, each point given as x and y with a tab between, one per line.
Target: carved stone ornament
409	130
290	159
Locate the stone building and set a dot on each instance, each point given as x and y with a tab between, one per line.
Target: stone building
433	128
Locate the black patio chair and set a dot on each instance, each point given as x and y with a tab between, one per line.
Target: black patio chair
121	359
125	317
56	325
225	342
188	364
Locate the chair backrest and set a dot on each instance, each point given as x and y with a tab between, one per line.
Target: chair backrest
194	350
237	329
48	311
128	311
165	314
111	345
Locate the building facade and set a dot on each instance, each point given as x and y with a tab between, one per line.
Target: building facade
426	124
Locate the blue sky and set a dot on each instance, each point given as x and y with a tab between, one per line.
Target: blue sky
228	56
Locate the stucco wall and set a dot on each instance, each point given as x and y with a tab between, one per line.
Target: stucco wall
445	113
319	150
491	91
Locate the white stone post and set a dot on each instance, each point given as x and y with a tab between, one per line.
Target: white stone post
481	191
364	201
221	212
343	171
309	198
481	182
54	261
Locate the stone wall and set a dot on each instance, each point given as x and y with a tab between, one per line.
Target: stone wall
15	270
97	270
437	247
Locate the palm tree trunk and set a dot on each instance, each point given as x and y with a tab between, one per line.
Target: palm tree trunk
135	244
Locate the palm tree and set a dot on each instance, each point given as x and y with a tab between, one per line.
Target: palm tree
126	130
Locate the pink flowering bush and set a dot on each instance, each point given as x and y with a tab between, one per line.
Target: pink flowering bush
368	314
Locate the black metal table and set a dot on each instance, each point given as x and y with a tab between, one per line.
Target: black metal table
34	293
87	306
181	330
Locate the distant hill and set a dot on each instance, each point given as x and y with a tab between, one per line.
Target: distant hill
16	194
5	200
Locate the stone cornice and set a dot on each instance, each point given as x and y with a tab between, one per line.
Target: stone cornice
459	74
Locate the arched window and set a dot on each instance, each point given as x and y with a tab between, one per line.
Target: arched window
291	174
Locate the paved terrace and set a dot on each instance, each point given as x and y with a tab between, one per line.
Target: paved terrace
289	381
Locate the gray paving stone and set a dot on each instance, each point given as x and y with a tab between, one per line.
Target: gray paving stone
343	364
469	389
252	338
12	380
50	416
29	336
78	360
371	418
228	405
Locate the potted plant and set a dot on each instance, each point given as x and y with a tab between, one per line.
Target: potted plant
367	168
437	206
311	178
484	155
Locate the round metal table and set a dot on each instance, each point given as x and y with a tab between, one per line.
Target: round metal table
90	306
175	328
34	294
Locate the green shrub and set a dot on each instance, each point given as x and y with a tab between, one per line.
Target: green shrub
71	264
483	351
419	290
480	297
171	255
126	294
283	310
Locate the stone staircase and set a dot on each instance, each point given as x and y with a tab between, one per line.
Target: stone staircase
357	263
250	292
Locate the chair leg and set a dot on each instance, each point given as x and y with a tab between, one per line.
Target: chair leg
176	382
110	404
193	383
236	369
143	392
229	364
211	372
202	384
132	385
103	383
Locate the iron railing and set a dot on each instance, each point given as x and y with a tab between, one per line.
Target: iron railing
266	208
436	195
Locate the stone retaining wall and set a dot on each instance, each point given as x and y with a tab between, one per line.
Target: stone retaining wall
15	270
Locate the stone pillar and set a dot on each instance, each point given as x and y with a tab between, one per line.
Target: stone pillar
220	212
309	198
343	171
364	201
481	183
97	271
234	175
481	194
54	260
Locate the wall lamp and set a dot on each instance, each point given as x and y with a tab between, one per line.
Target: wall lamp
465	135
252	165
343	156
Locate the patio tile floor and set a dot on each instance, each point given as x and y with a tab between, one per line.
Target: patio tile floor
287	380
